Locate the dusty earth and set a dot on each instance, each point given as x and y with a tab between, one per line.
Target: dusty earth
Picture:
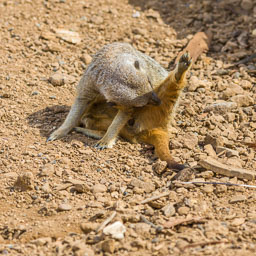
54	196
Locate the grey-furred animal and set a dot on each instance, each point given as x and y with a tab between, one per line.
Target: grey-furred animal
120	75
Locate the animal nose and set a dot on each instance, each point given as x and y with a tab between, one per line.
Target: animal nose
155	100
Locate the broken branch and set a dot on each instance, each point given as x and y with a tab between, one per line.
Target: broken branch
230	171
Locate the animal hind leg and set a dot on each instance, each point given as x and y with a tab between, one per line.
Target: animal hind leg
160	140
90	133
182	67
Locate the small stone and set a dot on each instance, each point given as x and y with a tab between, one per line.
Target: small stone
183	210
68	36
232	90
97	20
86	58
99	188
64	207
243	100
190	140
247	85
25	182
142	229
237	199
88	227
220	189
116	230
159	166
221	107
35	93
208	188
42	241
238	221
209	150
136	14
81	188
47	170
254	33
215	142
46	188
247	4
109	246
57	79
169	210
205	175
229	152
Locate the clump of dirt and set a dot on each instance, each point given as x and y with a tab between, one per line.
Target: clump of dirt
74	192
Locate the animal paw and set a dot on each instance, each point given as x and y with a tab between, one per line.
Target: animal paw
184	62
103	144
57	135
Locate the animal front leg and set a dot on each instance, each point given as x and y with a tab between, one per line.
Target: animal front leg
117	124
160	140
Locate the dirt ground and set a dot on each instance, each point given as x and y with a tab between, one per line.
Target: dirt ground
55	195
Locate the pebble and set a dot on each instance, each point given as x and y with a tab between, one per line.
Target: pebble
142	229
109	246
190	140
24	182
47	170
183	210
221	107
242	100
208	188
57	79
86	58
238	221
136	14
247	4
81	188
116	230
99	188
169	210
68	36
237	199
209	150
64	207
229	152
87	227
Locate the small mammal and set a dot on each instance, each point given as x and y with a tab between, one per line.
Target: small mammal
143	97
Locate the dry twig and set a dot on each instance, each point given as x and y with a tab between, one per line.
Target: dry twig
216	183
155	197
203	244
230	171
157	228
105	223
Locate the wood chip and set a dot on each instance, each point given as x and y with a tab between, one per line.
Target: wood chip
227	170
173	222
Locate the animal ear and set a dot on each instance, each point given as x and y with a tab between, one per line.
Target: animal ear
136	64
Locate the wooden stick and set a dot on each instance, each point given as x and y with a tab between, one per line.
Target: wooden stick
230	171
157	228
203	244
216	183
197	45
105	223
155	197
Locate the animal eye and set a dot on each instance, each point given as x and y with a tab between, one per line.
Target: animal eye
136	64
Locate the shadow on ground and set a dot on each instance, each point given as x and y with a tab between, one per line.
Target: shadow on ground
229	21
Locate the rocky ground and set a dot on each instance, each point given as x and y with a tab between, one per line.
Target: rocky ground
55	197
